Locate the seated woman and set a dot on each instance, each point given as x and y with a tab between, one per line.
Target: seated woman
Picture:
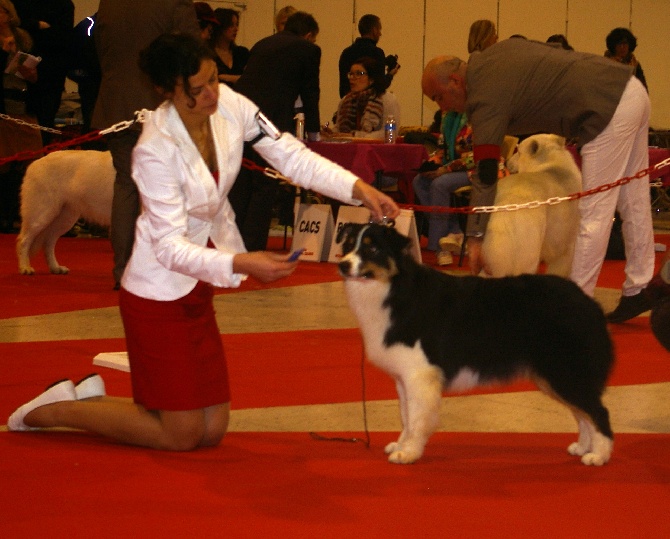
434	187
362	112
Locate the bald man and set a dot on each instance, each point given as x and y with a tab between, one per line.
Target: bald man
518	87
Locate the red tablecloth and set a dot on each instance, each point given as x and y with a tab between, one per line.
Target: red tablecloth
367	159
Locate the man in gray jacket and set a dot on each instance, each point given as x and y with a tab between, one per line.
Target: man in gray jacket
519	87
123	28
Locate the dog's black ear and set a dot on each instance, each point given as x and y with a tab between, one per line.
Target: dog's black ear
346	230
399	242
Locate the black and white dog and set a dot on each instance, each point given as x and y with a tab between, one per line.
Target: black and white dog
432	332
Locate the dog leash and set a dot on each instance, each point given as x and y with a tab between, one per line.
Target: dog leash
321	438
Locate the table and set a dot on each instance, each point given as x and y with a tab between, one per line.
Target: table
367	160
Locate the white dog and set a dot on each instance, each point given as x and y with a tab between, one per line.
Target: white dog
57	190
517	241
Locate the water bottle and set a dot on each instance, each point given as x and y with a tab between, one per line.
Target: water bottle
300	126
390	130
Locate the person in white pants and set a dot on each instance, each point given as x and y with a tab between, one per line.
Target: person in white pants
519	87
621	150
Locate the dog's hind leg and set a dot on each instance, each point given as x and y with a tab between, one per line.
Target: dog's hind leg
31	236
24	242
63	222
600	435
593	415
594	447
595	442
423	394
601	451
584	442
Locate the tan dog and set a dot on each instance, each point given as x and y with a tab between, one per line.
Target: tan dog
517	241
57	190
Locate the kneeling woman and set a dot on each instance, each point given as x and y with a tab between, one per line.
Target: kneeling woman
186	242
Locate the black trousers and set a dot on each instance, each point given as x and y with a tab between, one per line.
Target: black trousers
253	198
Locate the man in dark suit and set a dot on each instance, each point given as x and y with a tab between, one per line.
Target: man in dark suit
123	28
50	23
370	28
281	67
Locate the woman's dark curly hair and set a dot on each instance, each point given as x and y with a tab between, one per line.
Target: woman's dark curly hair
173	58
619	35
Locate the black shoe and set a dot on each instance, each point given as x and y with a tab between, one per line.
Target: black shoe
629	307
657	291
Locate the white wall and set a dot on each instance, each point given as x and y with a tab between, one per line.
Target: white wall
418	30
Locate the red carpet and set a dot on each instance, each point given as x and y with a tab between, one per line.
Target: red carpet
325	367
89	284
289	485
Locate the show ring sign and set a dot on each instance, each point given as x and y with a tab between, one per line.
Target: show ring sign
314	230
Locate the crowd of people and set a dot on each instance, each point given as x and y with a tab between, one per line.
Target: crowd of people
186	217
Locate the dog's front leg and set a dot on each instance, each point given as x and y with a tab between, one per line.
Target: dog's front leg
402	402
422	395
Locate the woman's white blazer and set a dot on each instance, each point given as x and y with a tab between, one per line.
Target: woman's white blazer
182	205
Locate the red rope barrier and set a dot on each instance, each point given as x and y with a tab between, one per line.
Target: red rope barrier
33	154
573	196
249	164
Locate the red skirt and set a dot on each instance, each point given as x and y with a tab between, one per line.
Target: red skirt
175	352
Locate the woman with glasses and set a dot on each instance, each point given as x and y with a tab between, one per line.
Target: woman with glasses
363	111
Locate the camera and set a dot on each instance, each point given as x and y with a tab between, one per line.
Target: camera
391	61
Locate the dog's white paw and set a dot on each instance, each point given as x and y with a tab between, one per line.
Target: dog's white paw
392	447
403	453
27	270
594	459
59	270
403	456
578	449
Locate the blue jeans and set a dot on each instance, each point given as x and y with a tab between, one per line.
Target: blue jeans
437	192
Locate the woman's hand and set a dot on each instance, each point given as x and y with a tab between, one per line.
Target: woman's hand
378	203
264	266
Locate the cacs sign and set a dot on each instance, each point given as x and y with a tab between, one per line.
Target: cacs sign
309	227
313	231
